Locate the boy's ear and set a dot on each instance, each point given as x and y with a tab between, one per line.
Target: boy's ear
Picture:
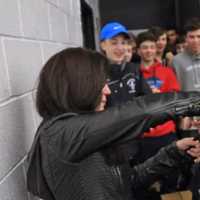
103	45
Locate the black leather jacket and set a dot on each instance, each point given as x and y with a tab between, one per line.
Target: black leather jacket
66	160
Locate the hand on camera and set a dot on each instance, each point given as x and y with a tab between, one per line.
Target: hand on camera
191	146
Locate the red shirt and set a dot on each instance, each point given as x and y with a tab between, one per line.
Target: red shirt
161	79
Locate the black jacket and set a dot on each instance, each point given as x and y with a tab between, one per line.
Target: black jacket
66	161
126	82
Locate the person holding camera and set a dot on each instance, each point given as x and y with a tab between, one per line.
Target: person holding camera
70	157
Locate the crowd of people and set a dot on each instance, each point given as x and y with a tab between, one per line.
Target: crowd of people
118	121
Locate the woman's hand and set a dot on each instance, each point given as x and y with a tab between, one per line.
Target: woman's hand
185	123
191	146
195	123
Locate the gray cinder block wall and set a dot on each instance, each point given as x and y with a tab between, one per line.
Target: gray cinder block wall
30	32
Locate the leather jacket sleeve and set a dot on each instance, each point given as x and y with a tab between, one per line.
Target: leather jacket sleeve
163	163
87	133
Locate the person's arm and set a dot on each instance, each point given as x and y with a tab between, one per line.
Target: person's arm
169	57
176	68
165	162
85	134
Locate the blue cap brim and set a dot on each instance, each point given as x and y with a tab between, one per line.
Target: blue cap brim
113	34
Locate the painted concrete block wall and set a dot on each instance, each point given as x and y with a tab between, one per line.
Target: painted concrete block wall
30	32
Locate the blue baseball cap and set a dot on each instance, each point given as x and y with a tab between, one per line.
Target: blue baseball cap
112	29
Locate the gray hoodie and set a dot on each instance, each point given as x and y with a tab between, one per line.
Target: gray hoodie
187	68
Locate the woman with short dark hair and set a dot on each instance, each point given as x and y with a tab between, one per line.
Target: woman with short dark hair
69	159
66	83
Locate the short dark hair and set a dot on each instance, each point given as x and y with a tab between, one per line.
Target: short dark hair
192	24
71	81
145	36
132	37
171	28
180	39
157	31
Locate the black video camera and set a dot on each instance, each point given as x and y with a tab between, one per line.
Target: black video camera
197	137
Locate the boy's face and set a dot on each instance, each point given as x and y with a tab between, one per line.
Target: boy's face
172	36
180	47
161	43
193	41
115	48
128	53
147	51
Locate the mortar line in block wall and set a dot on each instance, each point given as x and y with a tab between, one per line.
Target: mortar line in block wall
49	22
42	52
7	37
20	18
13	169
14	98
11	37
6	65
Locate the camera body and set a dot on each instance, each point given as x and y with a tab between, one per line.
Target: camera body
188	133
197	137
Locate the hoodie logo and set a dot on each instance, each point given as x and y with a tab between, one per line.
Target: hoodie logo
131	84
154	83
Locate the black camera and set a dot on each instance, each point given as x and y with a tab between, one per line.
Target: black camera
197	137
188	133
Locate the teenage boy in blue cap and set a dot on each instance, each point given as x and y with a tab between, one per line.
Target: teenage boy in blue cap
113	38
125	80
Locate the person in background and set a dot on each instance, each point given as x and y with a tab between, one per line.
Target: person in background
131	48
161	43
135	58
187	64
172	37
113	40
180	44
161	79
69	158
125	79
158	77
187	68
